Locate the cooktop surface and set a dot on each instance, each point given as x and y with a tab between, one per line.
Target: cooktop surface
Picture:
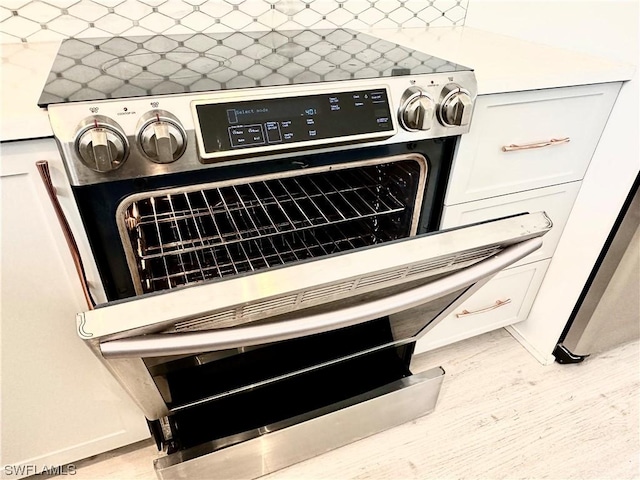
123	67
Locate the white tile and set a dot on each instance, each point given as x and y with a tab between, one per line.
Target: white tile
175	9
307	17
430	14
40	12
62	3
137	31
88	10
156	22
323	7
441	21
197	21
216	9
14	4
109	3
153	3
19	27
456	14
46	36
416	6
386	23
178	30
4	14
340	17
414	22
114	23
236	20
273	18
255	8
68	25
325	24
92	32
289	7
401	15
356	7
444	5
133	9
387	6
370	16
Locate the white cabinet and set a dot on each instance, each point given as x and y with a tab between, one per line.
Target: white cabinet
556	201
59	404
526	151
529	120
504	300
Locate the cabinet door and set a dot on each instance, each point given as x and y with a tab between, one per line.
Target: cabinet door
550	136
504	300
59	404
555	201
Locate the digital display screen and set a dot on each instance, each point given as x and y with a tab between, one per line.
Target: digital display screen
277	121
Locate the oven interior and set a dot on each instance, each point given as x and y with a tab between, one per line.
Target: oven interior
152	233
178	237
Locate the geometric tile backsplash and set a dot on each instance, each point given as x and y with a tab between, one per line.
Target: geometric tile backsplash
47	20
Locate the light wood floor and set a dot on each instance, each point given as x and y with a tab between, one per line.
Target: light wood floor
500	415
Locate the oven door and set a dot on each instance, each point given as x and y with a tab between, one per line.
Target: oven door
412	282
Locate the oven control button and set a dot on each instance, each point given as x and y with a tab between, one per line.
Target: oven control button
101	144
416	110
455	106
161	137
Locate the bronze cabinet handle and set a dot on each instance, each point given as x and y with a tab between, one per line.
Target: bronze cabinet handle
530	146
45	175
498	304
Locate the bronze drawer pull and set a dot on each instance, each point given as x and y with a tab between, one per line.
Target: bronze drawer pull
498	304
45	175
529	146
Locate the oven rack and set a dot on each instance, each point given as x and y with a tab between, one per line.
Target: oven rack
183	237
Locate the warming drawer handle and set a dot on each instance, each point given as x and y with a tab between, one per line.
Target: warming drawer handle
197	342
529	146
498	304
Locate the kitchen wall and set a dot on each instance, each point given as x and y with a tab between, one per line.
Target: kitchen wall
46	20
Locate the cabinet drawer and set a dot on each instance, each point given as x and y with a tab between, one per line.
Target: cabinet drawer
482	169
556	201
515	287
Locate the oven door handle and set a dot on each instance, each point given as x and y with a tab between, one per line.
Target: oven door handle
162	344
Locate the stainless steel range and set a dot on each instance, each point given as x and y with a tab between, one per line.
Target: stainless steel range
262	212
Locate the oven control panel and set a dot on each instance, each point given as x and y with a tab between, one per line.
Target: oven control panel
259	125
108	140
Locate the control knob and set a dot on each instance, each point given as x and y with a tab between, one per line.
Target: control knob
161	136
455	106
416	109
101	144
